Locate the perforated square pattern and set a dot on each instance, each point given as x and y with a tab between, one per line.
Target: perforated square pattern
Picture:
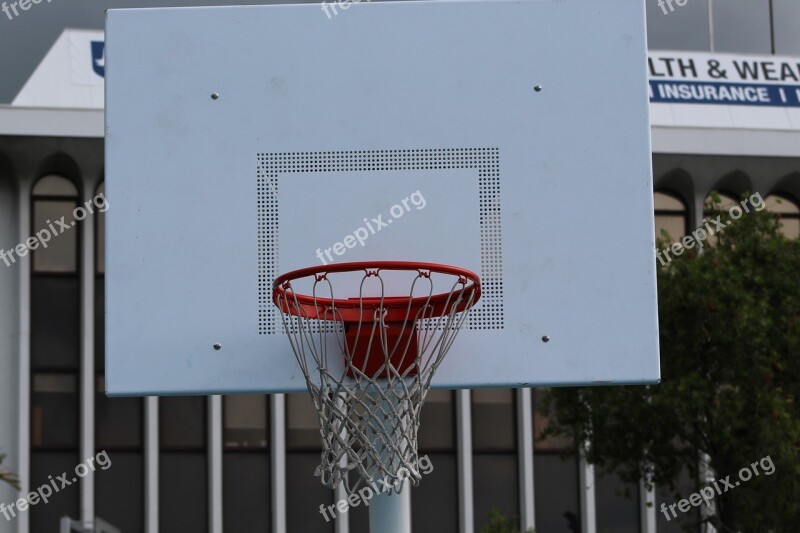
487	315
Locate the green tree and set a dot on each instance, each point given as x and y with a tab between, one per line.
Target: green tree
729	320
8	476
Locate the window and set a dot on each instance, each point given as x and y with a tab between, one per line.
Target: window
302	431
246	466
437	429
617	504
678	522
493	420
558	507
245	422
183	495
435	501
495	463
726	201
742	26
785	17
788	212
670	216
183	423
305	493
682	28
55	345
55	197
739	26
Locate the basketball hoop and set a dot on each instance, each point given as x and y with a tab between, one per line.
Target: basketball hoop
369	358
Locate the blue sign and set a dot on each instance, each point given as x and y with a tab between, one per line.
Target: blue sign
714	93
99	58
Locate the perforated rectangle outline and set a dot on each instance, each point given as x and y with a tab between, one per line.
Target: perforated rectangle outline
487	315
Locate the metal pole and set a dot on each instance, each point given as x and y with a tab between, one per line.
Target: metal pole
391	513
527	515
464	429
342	521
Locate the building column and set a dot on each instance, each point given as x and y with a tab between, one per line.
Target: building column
24	273
647	508
151	464
278	461
215	509
587	484
88	381
466	515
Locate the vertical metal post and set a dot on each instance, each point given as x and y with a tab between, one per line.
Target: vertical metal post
342	520
391	513
525	453
464	429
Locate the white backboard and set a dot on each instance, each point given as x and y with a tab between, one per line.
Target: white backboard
509	138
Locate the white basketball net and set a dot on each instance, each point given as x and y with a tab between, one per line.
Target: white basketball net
369	406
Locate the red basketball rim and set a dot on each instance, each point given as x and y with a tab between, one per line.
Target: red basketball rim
399	308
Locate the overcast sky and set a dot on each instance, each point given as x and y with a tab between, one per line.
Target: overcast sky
26	38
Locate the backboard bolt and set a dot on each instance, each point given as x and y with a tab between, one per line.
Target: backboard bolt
217	346
538	89
214	96
545	338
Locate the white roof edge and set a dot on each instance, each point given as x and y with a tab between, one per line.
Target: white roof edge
725	141
56	122
51	122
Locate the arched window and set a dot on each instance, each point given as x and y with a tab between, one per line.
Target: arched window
670	215
54	199
788	212
55	341
726	200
